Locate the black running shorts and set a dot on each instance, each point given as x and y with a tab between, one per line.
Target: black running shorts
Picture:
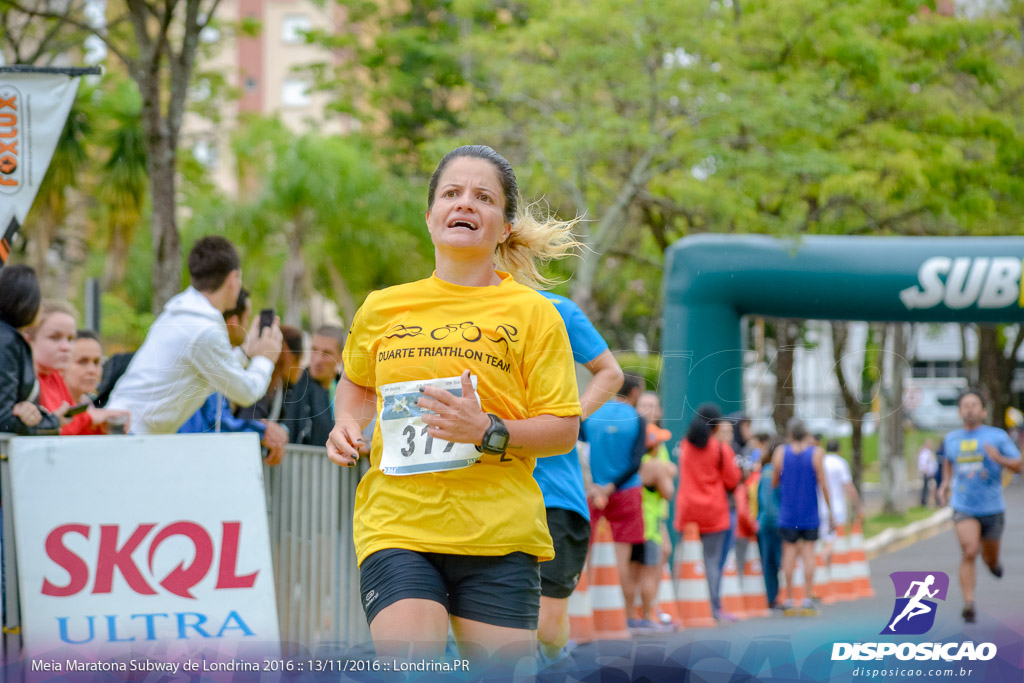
792	535
501	591
991	525
570	532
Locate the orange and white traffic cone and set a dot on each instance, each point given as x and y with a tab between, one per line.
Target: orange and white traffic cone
842	579
692	594
606	599
667	603
859	569
732	595
752	582
581	612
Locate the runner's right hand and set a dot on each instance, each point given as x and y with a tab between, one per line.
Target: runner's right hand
343	442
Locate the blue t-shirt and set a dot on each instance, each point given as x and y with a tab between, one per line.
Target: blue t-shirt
560	477
612	432
977	478
798	490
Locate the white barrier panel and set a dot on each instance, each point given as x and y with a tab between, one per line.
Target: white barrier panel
137	544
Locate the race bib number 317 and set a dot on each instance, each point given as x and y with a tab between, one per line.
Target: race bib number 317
407	449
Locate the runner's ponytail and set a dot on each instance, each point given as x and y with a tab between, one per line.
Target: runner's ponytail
535	240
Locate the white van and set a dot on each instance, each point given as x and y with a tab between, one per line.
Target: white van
933	406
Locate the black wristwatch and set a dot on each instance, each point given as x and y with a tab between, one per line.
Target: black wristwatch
495	439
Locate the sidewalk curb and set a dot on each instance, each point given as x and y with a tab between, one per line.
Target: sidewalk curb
891	540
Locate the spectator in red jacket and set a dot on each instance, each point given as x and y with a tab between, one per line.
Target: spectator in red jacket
51	339
707	471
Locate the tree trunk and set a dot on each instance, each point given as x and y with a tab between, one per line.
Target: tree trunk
855	410
970	367
891	459
166	241
40	238
117	258
604	234
786	334
857	456
160	164
583	282
996	365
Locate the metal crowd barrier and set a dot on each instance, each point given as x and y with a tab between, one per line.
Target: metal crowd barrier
11	612
310	501
309	509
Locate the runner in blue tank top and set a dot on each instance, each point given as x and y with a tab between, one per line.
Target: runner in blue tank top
973	462
561	481
798	473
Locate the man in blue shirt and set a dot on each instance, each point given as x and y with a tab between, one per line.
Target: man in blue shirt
973	462
618	441
561	481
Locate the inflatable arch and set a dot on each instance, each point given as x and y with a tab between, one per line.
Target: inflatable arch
711	281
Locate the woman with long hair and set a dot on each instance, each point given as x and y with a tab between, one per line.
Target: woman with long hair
471	376
51	339
707	473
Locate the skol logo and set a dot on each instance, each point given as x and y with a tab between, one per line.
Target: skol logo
914	613
114	554
11	172
987	282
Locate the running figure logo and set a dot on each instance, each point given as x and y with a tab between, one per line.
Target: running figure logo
914	613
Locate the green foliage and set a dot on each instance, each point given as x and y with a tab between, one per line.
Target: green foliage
913	440
124	327
879	523
648	367
804	117
322	202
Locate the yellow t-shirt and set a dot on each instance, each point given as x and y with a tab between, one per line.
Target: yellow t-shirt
514	341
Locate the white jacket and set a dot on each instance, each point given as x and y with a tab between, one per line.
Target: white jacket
186	357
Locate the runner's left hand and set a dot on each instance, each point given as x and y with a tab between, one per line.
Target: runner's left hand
458	419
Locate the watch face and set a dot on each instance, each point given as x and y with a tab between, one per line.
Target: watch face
495	440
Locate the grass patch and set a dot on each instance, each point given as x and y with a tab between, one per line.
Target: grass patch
879	523
912	441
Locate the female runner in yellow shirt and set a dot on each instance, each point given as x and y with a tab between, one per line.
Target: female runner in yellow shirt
471	376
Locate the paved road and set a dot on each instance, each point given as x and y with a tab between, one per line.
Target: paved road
997	600
799	648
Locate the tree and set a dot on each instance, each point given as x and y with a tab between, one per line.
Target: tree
322	216
787	335
812	116
998	346
892	463
28	39
409	52
855	392
123	179
157	41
